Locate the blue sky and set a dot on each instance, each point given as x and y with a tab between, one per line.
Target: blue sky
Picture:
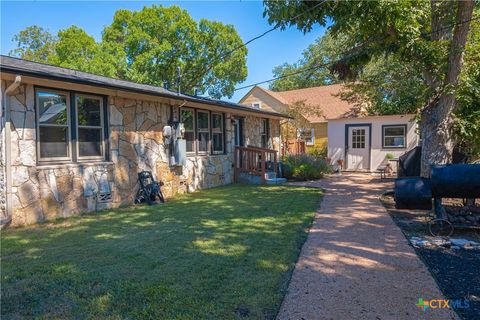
275	48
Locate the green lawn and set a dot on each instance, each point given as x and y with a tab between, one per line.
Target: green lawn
222	253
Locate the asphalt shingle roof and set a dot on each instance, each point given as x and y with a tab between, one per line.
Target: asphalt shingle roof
41	70
324	98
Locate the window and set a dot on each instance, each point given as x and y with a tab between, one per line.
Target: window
203	131
358	139
187	116
89	126
53	125
307	135
394	136
69	132
257	105
264	133
217	132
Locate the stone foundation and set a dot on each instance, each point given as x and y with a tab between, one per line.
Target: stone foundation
46	192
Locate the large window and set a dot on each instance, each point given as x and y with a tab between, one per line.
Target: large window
89	126
53	118
187	116
204	131
394	136
69	131
217	132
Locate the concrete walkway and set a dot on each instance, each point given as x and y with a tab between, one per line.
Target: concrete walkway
356	263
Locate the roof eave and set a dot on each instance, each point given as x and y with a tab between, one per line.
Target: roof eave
40	74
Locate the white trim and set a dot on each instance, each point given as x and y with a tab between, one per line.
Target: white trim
259	103
312	142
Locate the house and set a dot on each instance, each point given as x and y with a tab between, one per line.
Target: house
363	142
323	100
73	141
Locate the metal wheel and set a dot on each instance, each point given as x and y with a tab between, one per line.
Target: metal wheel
440	227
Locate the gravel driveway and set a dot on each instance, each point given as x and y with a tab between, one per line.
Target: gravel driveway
356	263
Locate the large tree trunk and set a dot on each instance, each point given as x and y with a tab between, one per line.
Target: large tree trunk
437	117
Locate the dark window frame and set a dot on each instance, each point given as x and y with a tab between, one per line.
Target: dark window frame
194	120
210	132
78	126
385	126
72	128
203	130
221	131
68	125
265	133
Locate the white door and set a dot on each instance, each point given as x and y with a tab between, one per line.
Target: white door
358	152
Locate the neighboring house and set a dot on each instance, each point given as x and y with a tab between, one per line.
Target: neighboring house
364	142
323	99
74	141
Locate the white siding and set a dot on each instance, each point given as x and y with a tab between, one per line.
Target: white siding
336	137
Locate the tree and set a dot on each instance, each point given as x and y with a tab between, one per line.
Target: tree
323	51
34	43
148	46
431	36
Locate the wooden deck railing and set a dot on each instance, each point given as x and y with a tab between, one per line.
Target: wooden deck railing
254	160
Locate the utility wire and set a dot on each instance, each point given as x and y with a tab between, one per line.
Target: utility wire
342	59
223	56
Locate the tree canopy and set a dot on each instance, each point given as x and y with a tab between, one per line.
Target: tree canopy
407	56
147	46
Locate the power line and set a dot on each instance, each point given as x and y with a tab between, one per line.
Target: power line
342	59
223	56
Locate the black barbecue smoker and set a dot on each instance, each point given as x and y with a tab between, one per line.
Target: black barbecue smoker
446	181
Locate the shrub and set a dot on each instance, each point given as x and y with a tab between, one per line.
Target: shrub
319	152
305	167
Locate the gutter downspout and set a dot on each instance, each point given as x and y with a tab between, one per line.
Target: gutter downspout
8	150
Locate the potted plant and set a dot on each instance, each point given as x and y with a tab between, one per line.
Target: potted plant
340	165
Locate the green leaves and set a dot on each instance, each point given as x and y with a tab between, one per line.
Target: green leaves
147	46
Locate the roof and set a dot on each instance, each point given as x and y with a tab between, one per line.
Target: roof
324	97
41	70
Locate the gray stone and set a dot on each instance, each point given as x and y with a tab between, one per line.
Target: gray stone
27	152
116	117
19	175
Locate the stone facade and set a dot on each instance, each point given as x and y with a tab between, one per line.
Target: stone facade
46	192
3	194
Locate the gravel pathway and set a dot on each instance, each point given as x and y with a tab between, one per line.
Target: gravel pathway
356	263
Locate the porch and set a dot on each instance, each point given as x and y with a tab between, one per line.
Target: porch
255	165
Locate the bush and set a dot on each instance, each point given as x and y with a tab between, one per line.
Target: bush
305	167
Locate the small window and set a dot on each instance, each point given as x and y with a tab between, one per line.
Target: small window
217	133
264	133
203	131
53	125
307	135
358	139
394	136
187	116
257	105
89	126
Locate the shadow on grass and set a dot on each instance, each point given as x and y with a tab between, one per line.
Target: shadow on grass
225	253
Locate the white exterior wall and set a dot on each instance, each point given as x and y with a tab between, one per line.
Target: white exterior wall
336	137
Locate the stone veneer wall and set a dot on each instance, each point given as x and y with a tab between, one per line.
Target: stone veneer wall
252	129
46	192
3	194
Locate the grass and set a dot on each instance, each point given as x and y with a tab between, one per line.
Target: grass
222	253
